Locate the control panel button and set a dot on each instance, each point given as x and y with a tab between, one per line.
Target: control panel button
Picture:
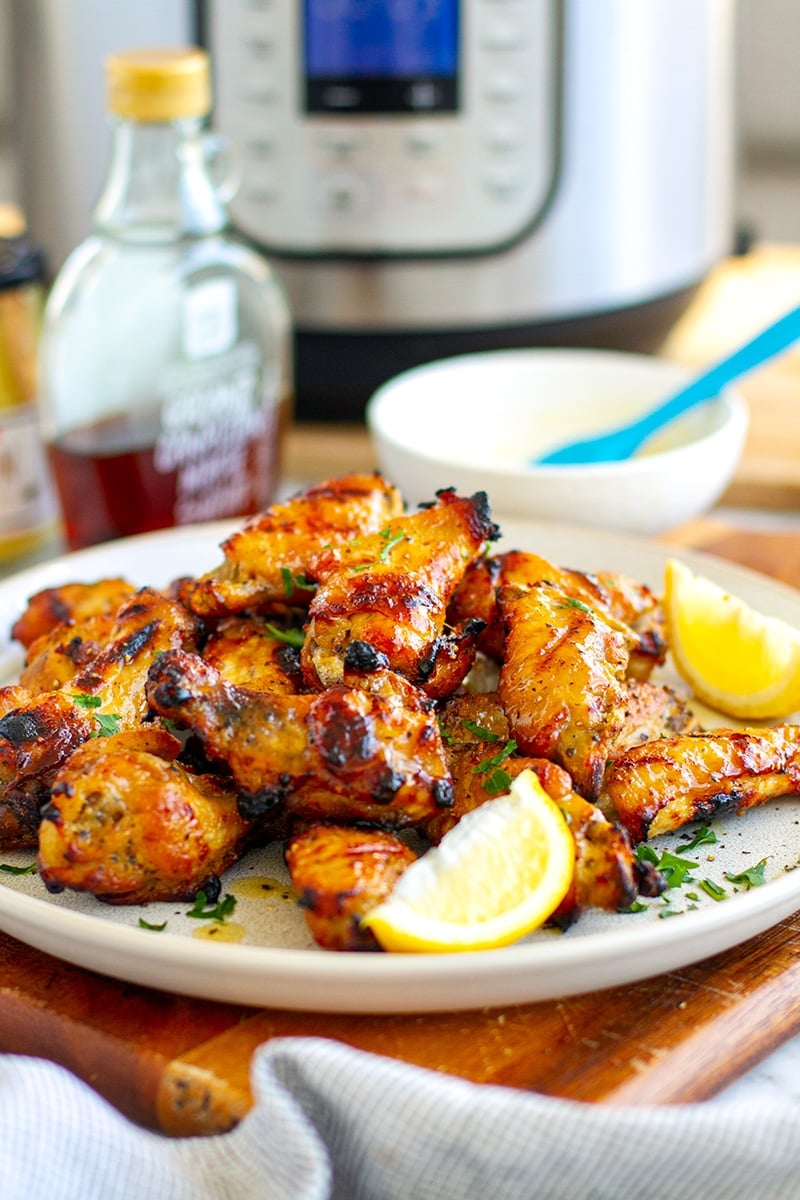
345	194
422	143
341	144
503	185
502	36
503	88
504	137
424	189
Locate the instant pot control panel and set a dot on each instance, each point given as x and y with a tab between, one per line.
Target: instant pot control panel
388	127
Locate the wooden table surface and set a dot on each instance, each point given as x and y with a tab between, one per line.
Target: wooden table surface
181	1065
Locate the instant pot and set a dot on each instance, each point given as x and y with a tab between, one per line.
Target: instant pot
437	176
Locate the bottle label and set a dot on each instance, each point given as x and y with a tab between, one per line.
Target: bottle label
27	500
218	432
210	324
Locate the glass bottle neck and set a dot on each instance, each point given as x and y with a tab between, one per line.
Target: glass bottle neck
159	187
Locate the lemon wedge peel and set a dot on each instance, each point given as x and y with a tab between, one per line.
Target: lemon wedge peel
493	878
735	659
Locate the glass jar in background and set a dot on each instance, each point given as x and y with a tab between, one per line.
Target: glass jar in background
28	514
165	360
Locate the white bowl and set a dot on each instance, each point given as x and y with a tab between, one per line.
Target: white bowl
473	422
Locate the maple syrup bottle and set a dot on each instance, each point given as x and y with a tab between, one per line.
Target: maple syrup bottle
165	356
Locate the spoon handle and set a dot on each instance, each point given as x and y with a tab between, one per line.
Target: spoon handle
752	354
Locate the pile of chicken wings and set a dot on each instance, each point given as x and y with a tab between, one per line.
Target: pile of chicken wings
351	671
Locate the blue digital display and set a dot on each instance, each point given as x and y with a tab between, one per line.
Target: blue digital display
379	48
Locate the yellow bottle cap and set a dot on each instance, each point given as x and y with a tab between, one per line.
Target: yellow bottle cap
158	85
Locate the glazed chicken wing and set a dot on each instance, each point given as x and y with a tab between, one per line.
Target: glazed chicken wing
564	689
36	737
130	825
664	784
266	562
607	873
339	874
613	596
390	591
345	755
249	652
56	657
146	625
69	604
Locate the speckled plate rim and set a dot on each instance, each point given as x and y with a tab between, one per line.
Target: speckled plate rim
603	951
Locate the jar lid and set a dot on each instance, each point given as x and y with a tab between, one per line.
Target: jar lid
20	260
158	84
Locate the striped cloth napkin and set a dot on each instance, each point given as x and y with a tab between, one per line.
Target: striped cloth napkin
334	1122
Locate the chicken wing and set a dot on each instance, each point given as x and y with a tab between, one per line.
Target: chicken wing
345	755
36	737
340	873
252	653
613	596
56	657
564	689
482	762
68	604
664	784
266	562
129	825
390	591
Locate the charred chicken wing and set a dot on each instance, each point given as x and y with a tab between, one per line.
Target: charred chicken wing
128	825
664	784
68	604
344	755
390	591
613	596
266	562
339	874
564	689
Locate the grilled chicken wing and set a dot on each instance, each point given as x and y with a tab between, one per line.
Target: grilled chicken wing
613	596
607	873
67	605
129	825
266	562
146	625
345	755
36	737
340	873
390	591
56	657
563	685
246	653
664	784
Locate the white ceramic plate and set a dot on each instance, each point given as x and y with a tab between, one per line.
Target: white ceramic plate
275	964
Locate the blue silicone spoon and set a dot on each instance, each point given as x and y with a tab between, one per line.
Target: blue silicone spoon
624	441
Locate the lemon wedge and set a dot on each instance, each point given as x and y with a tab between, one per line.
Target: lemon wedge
497	875
735	659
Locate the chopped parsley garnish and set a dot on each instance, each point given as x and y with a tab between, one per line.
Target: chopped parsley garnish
752	877
674	868
571	602
496	780
712	889
108	722
391	543
155	928
296	582
447	736
484	735
9	870
292	637
203	911
703	837
489	764
497	783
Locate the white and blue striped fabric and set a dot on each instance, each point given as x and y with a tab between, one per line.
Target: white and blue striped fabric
332	1122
